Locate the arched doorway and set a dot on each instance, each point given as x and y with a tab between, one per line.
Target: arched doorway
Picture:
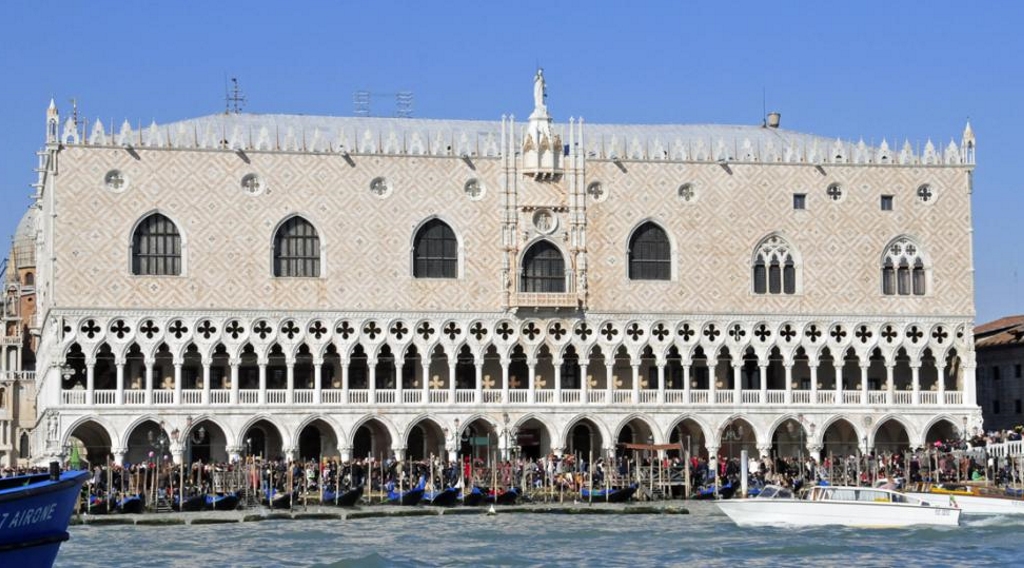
689	436
789	440
148	442
479	442
371	440
584	440
426	439
317	440
840	440
92	440
263	439
532	439
205	442
636	431
738	435
944	432
891	436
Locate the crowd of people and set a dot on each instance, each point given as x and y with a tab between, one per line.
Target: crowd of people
553	477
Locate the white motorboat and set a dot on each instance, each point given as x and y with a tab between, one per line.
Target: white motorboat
973	500
838	505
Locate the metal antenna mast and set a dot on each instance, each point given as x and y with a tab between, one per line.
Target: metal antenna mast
234	100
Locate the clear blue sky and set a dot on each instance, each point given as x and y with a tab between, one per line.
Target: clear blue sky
875	70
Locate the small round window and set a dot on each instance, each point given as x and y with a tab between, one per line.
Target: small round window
252	184
597	191
115	181
687	193
834	192
474	189
925	194
380	187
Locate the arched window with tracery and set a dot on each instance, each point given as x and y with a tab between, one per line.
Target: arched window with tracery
435	251
543	269
774	267
904	272
297	249
156	247
650	253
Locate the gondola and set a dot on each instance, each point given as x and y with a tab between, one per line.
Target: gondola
611	495
708	492
347	498
97	505
507	497
130	504
222	502
191	504
280	500
447	498
473	497
411	497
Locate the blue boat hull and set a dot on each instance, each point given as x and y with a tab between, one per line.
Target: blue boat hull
34	518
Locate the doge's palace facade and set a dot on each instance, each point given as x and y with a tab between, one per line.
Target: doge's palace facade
306	286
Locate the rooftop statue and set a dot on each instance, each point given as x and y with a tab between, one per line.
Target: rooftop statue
539	91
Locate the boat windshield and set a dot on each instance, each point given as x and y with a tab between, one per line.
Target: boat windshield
775	492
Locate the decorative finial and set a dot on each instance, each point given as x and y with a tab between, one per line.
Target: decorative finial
968	133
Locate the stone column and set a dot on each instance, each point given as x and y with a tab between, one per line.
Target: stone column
206	383
234	364
789	383
290	453
399	387
764	451
557	366
371	380
119	397
686	385
345	452
890	385
119	454
661	382
344	381
762	371
90	382
425	383
318	381
915	374
635	368
584	383
289	381
737	383
814	449
864	383
838	366
531	381
814	383
941	375
262	397
504	380
609	381
970	386
478	382
452	361
177	383
149	381
234	453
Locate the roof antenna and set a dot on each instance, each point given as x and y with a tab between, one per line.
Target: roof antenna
234	100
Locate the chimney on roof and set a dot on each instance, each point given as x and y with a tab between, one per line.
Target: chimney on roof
773	119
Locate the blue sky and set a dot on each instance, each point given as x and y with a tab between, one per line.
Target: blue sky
852	70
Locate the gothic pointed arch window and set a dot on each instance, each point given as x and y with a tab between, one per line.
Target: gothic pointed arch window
904	271
650	253
156	247
775	267
543	269
296	249
435	251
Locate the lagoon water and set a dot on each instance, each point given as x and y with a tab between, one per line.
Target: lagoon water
704	538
